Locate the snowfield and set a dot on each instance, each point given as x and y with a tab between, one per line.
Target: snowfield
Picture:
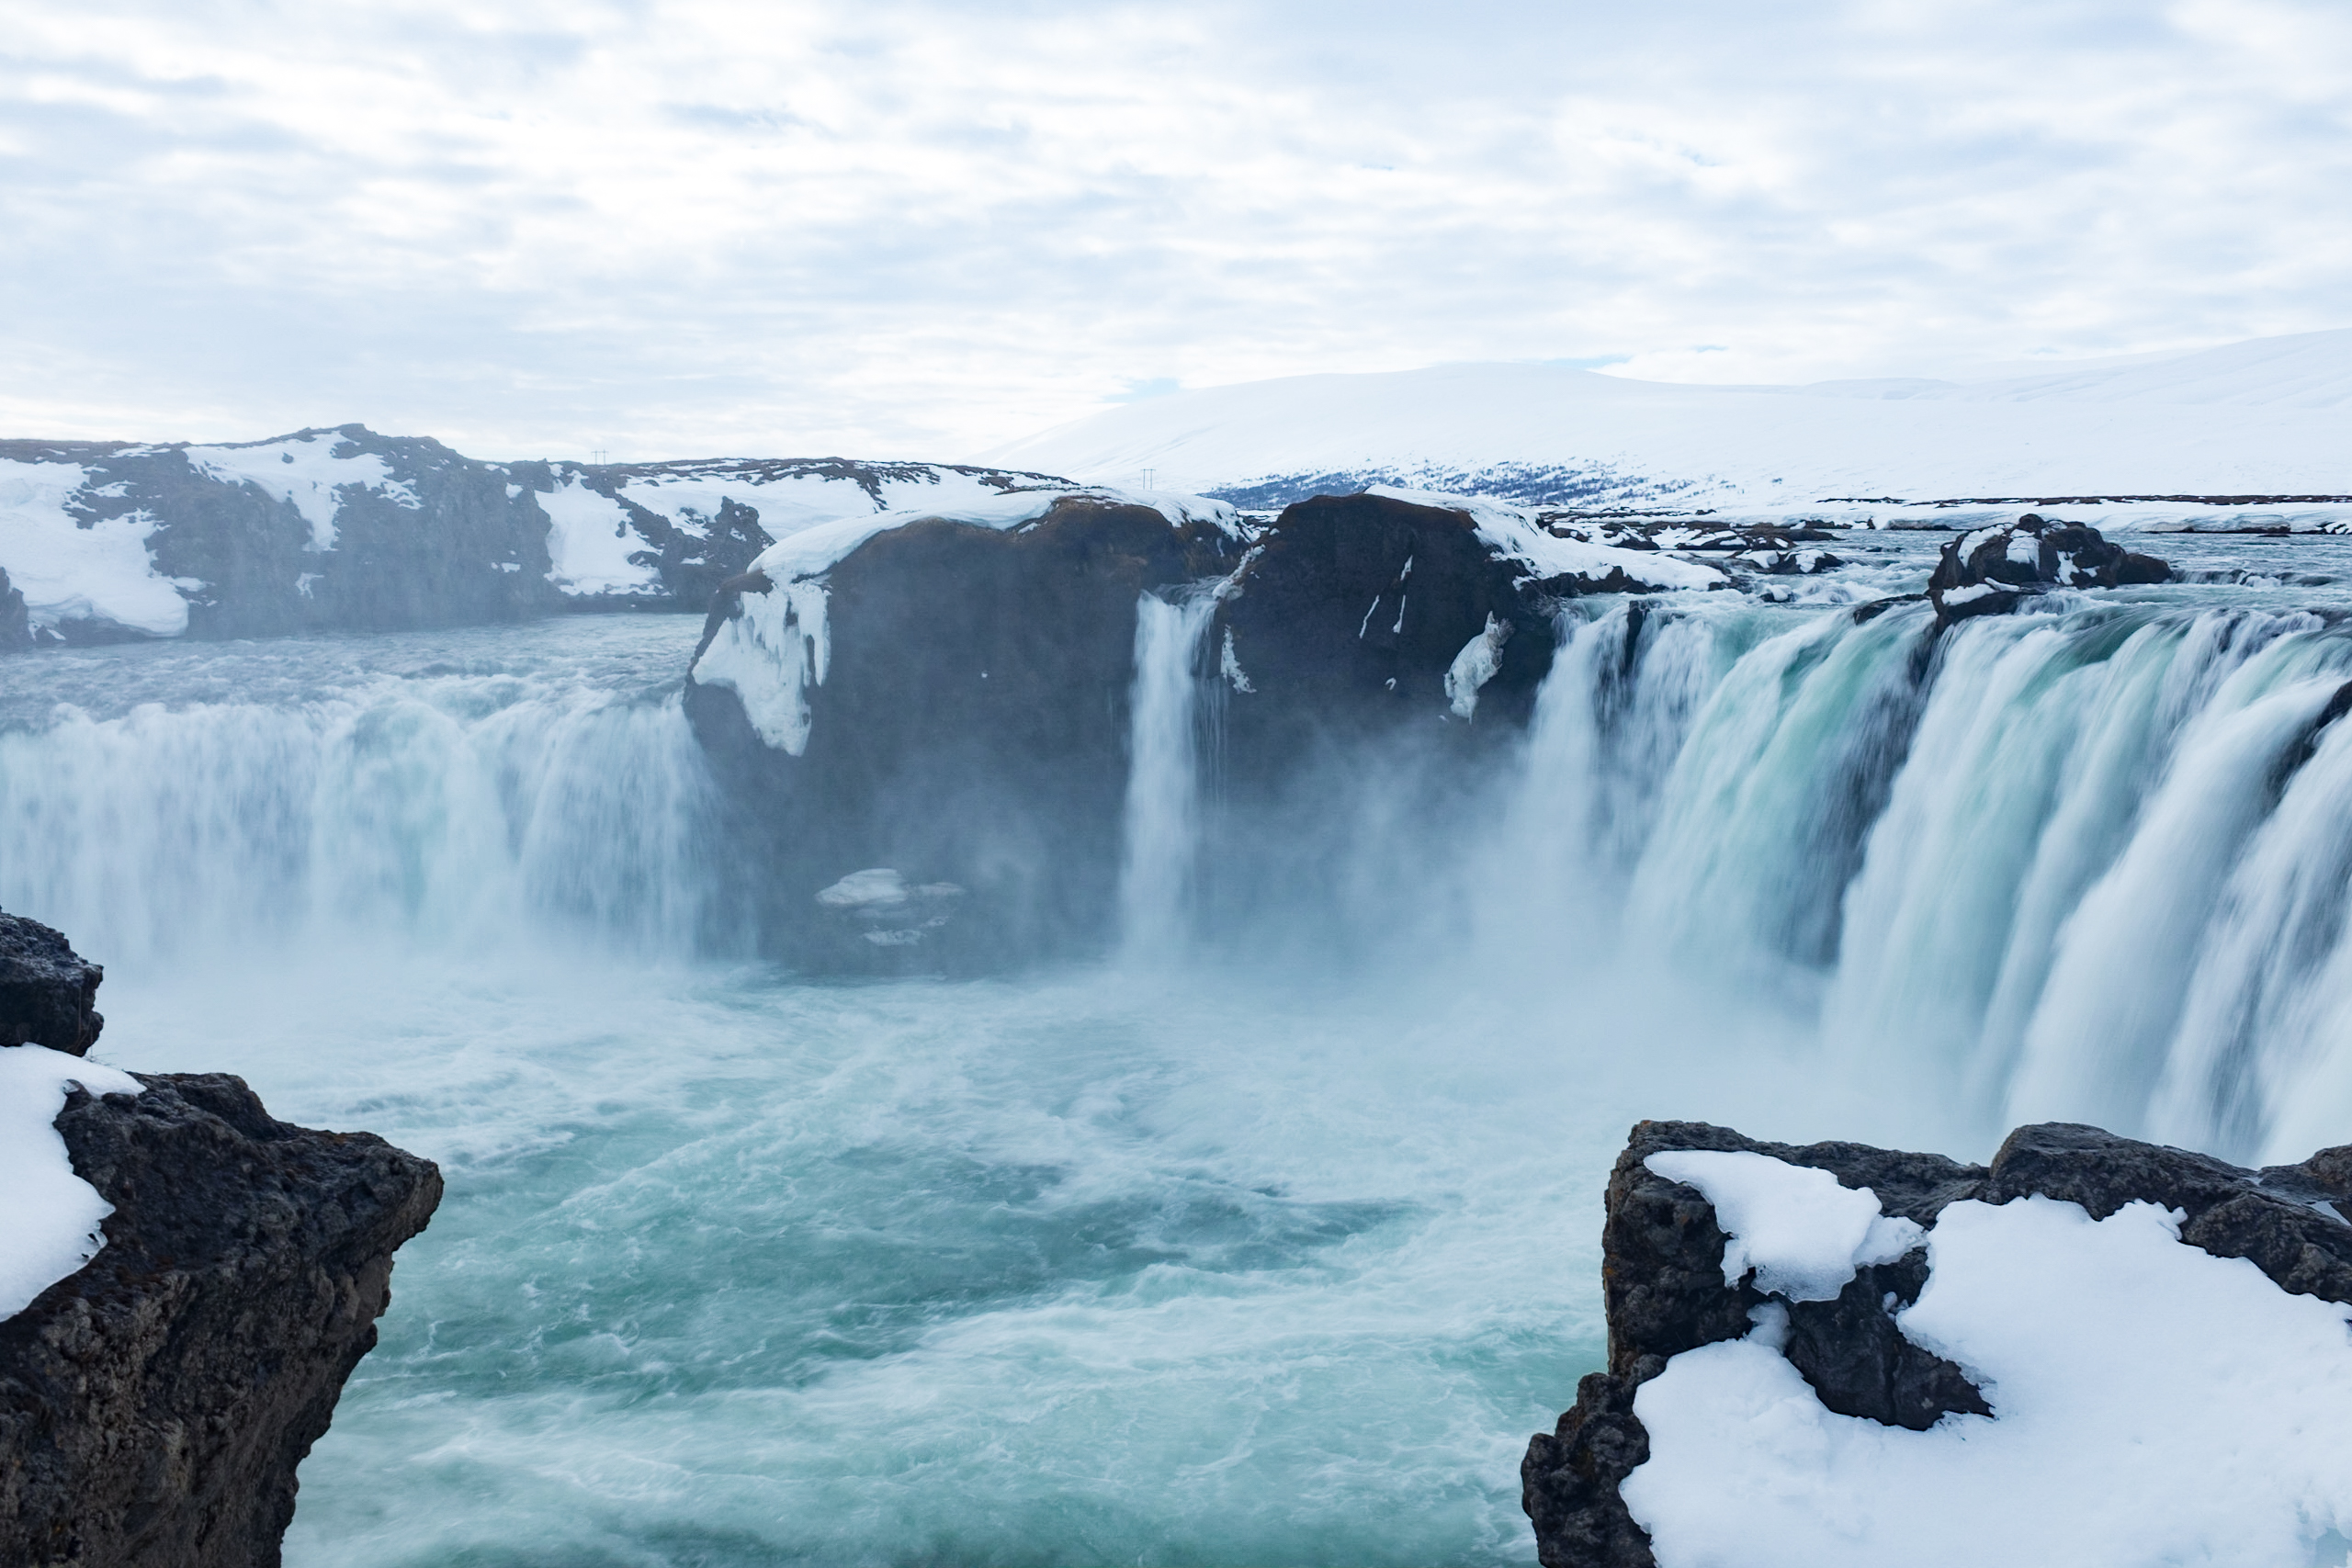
2265	418
2152	1403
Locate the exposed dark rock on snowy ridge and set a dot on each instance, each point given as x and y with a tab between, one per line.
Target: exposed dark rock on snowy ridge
48	992
1663	1284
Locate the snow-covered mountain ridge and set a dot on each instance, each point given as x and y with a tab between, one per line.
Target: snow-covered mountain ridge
344	528
2254	436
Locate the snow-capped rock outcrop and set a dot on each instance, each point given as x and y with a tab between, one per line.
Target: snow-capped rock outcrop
185	1284
1354	613
1985	571
345	529
945	694
2092	1349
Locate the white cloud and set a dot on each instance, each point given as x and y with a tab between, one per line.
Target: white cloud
684	227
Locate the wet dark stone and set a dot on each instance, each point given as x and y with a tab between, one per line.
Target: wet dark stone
48	992
155	1405
2062	555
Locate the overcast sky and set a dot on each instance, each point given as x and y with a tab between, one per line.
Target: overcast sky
677	229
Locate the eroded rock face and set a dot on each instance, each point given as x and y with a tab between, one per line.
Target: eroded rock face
970	728
48	992
1985	572
1663	1285
1348	618
153	1405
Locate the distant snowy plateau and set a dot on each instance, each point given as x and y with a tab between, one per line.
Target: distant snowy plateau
344	528
2254	436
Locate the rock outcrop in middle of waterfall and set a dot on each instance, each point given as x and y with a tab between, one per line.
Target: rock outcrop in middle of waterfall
946	699
49	993
1987	571
1664	1286
345	529
1365	614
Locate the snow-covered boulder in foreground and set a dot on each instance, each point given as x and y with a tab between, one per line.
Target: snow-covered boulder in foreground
2248	436
2092	1352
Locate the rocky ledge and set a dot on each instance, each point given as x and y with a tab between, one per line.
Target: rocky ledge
1664	1285
1988	571
154	1404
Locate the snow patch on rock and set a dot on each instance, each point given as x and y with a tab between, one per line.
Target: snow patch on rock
304	471
1802	1232
1513	533
68	572
589	540
49	1222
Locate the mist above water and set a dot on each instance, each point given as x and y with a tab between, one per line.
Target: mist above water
1269	1238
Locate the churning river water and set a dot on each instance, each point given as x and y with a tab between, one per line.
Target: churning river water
1171	1259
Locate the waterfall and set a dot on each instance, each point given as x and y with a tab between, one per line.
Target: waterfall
1161	842
2089	864
454	811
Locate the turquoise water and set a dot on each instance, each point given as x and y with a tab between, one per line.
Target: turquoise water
736	1270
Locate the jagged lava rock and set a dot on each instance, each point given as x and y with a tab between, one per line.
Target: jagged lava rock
1663	1286
155	1405
1986	570
48	992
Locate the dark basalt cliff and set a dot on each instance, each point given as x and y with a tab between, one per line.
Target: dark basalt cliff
971	729
449	541
155	1404
1348	615
970	726
1663	1286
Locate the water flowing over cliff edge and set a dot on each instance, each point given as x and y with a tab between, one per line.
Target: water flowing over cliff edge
1209	1261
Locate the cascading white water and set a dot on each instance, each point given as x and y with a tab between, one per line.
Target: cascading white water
1160	851
2066	866
452	810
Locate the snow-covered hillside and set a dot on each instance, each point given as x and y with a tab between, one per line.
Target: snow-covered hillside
344	528
2245	425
